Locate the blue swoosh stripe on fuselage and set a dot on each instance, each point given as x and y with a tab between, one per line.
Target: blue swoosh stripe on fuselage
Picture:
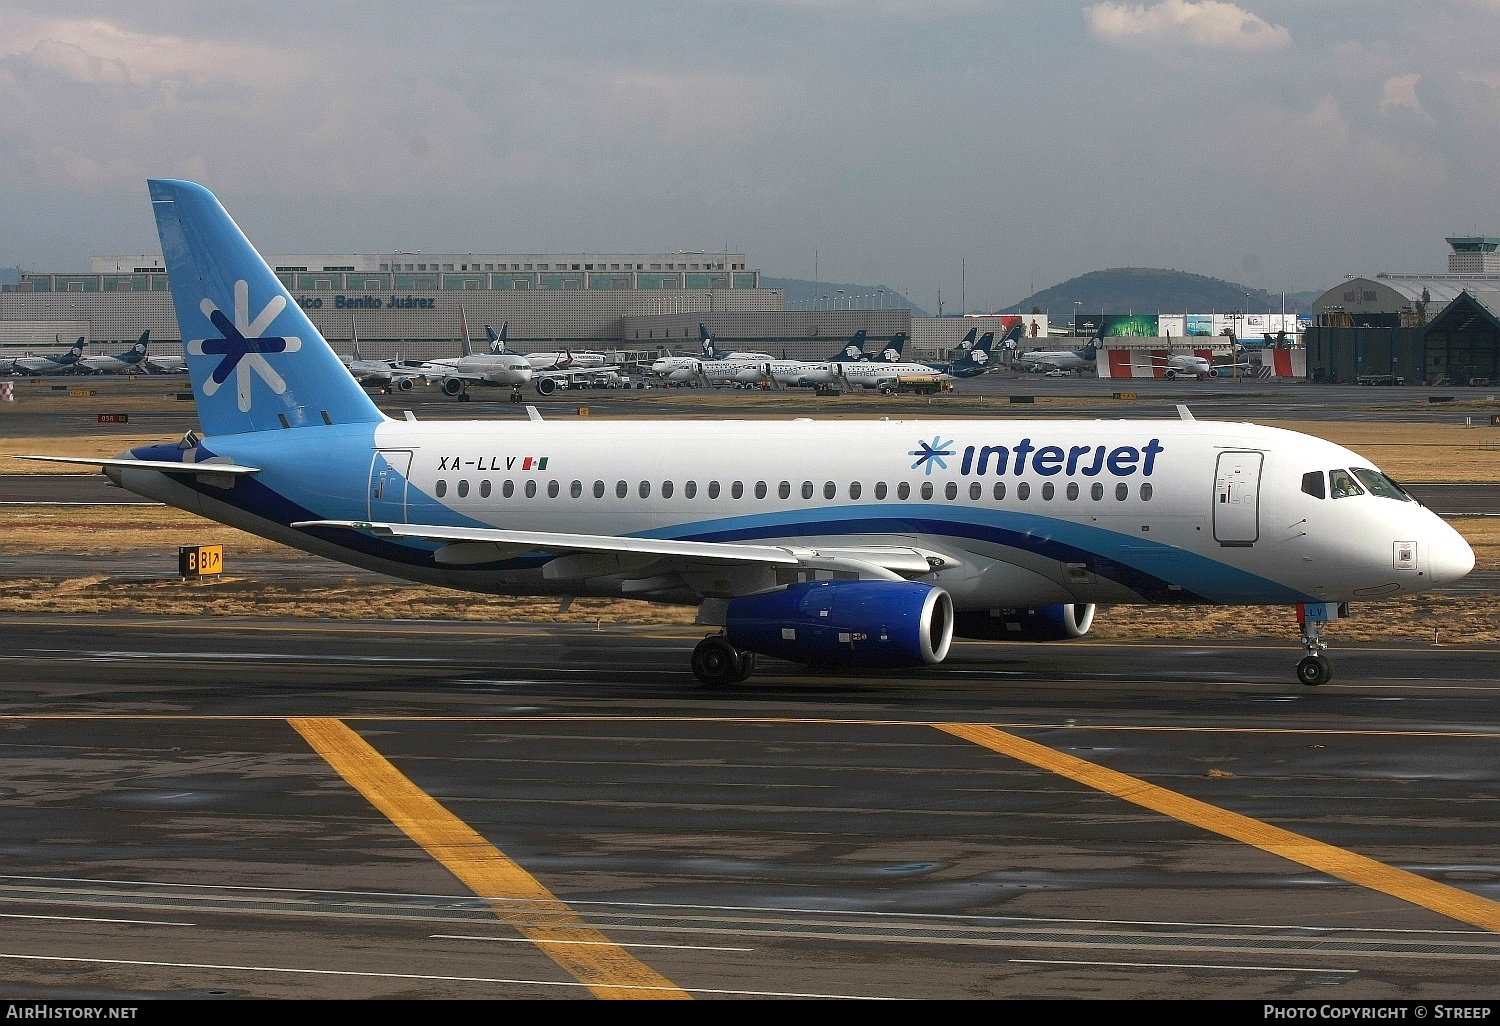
1106	554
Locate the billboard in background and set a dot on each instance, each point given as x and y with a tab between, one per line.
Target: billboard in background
1116	325
1172	325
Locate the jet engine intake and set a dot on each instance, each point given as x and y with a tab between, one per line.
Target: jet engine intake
1041	623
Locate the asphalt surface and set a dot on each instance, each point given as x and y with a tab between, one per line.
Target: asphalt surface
801	834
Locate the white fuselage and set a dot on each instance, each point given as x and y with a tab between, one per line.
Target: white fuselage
1008	513
1065	360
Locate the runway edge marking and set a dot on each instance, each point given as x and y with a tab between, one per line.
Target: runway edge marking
1325	858
515	895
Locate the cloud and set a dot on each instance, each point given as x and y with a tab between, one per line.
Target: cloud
1204	23
1401	94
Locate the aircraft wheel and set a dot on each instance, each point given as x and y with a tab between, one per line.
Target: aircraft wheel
717	662
1314	670
515	397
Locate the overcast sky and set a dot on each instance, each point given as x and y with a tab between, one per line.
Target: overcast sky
1279	143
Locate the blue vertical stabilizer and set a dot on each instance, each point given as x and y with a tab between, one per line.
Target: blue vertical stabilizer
256	361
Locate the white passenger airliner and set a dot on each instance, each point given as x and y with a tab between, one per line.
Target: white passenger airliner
128	362
851	543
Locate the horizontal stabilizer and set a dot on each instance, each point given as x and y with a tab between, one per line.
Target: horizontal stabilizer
163	466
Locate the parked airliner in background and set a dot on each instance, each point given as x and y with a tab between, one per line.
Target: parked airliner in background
500	370
1072	360
61	363
166	363
376	373
850	543
128	362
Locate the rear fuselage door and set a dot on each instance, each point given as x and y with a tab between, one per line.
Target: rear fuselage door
388	470
1237	498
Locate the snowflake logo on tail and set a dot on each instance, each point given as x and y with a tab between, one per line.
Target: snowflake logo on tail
930	453
241	345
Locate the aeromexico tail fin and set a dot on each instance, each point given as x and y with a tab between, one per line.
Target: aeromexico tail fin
968	340
497	342
892	351
256	361
706	345
143	343
854	350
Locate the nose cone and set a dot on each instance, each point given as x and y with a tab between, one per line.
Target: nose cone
1449	556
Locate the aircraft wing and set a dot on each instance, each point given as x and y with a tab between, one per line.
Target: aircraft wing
684	562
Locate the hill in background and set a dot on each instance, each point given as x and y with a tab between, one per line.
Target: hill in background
1123	290
808	295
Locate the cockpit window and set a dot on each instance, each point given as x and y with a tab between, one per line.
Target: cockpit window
1342	485
1312	483
1381	485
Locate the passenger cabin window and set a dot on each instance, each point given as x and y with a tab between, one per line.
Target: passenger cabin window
760	489
854	489
1048	491
508	488
552	489
1023	491
1122	491
666	489
484	489
621	489
598	489
713	489
999	490
442	489
645	489
575	489
1312	483
1073	490
1146	491
1096	491
1381	485
829	489
880	489
463	489
530	489
903	490
950	490
976	490
1341	484
784	490
690	490
807	489
737	490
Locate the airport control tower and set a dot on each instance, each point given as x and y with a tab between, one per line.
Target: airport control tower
1474	254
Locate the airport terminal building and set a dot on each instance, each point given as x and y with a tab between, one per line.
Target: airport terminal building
409	304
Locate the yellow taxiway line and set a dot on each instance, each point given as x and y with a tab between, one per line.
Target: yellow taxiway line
515	895
1325	858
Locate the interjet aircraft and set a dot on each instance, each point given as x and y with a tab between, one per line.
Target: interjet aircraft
843	543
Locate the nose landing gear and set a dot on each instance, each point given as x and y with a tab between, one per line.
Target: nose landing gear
1315	668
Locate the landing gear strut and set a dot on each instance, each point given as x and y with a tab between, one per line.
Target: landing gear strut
717	662
1315	668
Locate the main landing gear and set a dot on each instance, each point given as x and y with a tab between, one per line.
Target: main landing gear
1315	667
716	662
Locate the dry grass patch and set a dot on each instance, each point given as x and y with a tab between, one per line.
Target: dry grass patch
341	600
91	446
85	530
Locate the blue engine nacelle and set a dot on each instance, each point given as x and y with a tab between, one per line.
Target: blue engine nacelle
863	623
1040	623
